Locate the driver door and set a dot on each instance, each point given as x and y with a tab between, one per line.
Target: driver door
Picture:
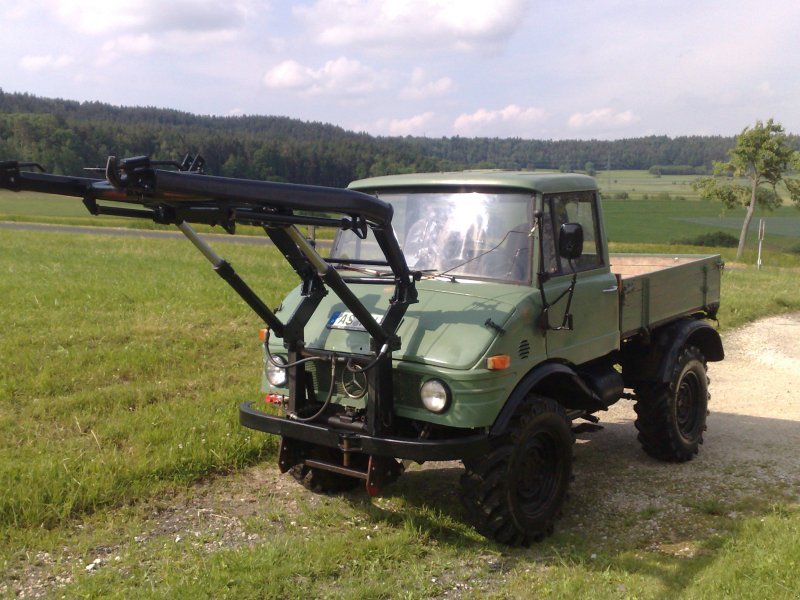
595	303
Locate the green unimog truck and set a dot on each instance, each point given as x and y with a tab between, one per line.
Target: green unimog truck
475	316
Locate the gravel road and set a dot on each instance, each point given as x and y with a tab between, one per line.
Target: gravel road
749	458
755	400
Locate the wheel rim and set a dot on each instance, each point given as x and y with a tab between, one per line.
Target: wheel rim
538	474
687	405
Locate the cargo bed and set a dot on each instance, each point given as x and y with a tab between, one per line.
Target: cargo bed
655	288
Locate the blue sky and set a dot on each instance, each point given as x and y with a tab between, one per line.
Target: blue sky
541	69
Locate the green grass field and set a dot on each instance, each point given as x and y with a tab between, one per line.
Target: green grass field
123	362
29	207
648	216
645	217
638	183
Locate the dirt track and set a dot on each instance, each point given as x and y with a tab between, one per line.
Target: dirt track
755	398
750	458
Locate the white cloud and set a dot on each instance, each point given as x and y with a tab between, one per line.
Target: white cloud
420	88
131	44
171	42
765	89
290	75
340	76
505	121
688	65
413	24
20	11
416	125
601	118
45	62
103	17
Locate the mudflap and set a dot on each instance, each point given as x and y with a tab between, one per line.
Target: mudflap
288	455
382	470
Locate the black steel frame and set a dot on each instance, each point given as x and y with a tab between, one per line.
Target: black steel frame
187	195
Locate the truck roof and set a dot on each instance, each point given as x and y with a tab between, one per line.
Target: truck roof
531	181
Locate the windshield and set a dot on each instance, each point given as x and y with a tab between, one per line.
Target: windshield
470	234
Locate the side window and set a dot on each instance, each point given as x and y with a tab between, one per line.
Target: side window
575	207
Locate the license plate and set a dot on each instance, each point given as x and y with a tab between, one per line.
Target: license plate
346	320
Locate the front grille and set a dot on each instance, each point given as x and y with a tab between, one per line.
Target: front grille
320	373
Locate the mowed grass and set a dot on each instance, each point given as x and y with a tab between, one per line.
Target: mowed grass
31	207
123	364
61	210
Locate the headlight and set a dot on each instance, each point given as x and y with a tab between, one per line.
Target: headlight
435	395
276	375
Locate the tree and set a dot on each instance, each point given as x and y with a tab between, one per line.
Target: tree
762	155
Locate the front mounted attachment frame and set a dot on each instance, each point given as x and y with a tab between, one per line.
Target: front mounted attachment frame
180	193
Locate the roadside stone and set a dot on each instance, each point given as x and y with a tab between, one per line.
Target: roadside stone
94	565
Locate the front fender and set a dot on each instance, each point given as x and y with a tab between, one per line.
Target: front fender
553	380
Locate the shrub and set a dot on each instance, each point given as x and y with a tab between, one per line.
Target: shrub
659	170
716	239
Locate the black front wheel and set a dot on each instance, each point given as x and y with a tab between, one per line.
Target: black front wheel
515	494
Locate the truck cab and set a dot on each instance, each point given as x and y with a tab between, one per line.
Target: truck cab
516	320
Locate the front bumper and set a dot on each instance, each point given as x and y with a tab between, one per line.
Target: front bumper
416	449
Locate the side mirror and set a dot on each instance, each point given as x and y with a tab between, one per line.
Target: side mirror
570	241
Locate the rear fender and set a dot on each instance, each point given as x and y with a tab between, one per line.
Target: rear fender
553	380
690	332
656	361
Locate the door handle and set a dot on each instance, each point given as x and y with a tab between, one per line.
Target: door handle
610	290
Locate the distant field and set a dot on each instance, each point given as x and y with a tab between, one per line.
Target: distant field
63	210
647	216
29	206
638	183
781	224
662	222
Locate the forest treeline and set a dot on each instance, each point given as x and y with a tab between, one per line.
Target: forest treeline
66	136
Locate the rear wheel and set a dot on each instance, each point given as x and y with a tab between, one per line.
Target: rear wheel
671	417
515	494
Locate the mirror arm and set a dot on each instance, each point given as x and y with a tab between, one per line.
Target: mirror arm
566	322
542	276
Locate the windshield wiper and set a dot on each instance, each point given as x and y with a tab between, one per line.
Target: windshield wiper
365	271
477	256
